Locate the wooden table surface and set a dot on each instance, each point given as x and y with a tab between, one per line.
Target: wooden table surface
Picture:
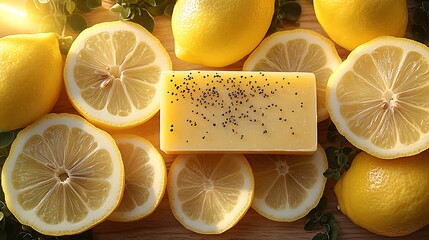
162	224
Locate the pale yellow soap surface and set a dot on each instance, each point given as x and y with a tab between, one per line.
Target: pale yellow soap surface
238	112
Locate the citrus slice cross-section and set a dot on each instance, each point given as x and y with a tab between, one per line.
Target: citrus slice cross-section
63	175
297	50
287	187
145	178
209	194
112	74
378	97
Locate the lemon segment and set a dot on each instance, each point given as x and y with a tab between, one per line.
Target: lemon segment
145	178
297	50
377	98
288	187
209	194
63	175
112	74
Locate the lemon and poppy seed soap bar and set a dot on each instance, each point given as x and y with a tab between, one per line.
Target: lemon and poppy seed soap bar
238	112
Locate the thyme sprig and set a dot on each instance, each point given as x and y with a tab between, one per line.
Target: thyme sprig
420	22
143	11
285	10
319	219
61	15
339	155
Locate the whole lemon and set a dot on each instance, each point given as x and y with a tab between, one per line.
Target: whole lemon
351	23
386	197
30	78
218	33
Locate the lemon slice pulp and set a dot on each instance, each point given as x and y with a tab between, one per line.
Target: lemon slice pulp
145	178
287	187
378	100
112	74
209	194
63	175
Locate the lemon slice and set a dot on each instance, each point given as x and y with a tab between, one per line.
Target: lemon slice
145	178
378	97
63	175
298	50
287	187
112	74
209	194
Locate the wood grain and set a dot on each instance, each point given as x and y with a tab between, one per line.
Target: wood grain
162	224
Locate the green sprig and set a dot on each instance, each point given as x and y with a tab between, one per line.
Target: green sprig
143	11
339	155
420	22
318	219
61	15
285	10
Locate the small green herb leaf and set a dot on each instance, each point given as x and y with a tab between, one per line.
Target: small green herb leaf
151	2
6	138
285	10
420	22
126	13
70	6
320	236
76	22
311	224
145	19
291	11
318	219
169	10
117	8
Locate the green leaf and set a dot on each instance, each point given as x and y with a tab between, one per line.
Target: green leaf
311	224
151	2
347	150
332	174
321	236
326	228
145	19
3	235
6	138
92	4
88	5
331	154
65	44
169	10
332	136
76	22
317	211
292	11
325	218
342	159
126	13
70	6
335	230
117	8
